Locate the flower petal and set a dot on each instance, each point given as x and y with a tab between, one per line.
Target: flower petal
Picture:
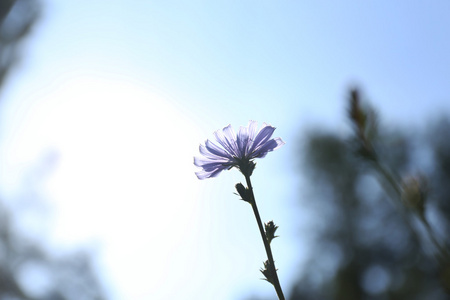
280	143
252	130
243	141
203	174
263	136
207	164
252	126
216	150
267	147
223	140
231	139
206	153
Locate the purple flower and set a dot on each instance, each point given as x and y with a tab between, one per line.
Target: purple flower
236	151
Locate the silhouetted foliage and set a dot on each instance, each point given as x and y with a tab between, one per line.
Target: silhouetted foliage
16	19
27	270
382	202
371	246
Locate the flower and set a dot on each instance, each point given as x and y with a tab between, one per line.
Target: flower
236	151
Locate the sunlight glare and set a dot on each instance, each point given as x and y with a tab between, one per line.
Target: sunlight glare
124	178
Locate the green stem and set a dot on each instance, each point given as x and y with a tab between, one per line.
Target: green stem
276	282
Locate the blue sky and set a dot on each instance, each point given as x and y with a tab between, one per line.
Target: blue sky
124	94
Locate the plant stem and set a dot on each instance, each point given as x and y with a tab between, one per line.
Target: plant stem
444	254
276	282
442	250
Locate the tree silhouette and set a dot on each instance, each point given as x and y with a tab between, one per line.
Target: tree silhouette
370	245
27	270
381	202
17	17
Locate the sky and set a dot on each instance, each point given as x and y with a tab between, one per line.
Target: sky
120	96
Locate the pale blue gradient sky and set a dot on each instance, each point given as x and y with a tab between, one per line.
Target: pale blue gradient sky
124	93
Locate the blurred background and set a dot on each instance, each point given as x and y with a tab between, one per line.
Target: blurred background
104	104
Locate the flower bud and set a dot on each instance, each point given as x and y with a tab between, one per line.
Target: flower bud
246	167
414	192
270	230
267	271
364	120
356	113
243	192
